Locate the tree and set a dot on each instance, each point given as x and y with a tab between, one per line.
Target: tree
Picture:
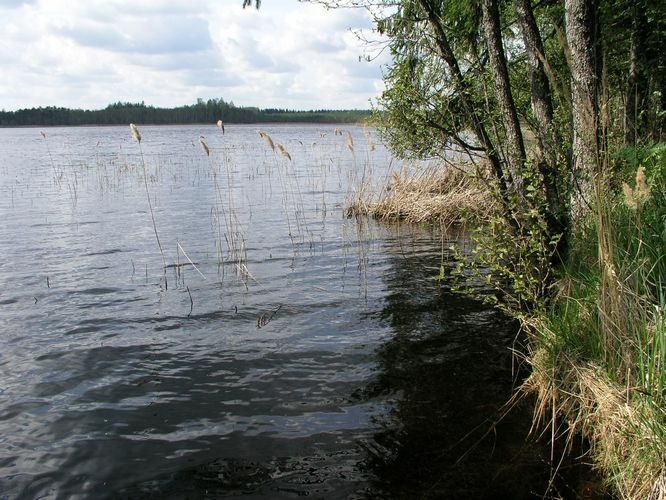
550	156
515	152
581	18
479	75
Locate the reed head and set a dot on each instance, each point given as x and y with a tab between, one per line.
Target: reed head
205	147
135	132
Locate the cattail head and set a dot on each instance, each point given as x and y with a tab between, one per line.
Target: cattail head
220	125
202	141
135	132
350	142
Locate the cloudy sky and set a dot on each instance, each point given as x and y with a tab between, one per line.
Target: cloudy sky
89	53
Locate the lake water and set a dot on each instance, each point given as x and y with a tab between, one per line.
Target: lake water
284	351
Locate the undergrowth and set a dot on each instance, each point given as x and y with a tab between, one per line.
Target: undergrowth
599	350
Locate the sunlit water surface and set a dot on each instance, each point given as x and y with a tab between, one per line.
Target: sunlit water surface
285	351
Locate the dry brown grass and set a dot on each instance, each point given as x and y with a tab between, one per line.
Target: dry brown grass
438	195
576	399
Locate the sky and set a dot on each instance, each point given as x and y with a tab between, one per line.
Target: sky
89	53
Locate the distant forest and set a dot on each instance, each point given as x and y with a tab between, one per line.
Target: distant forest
210	111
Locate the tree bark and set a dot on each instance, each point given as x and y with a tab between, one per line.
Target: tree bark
516	156
542	105
580	18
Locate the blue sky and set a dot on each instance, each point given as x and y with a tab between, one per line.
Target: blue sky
88	53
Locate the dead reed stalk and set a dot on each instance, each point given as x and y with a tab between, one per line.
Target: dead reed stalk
283	151
202	141
137	135
268	139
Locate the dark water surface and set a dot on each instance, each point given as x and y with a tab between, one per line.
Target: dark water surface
306	354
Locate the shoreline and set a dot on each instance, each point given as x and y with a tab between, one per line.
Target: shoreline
609	397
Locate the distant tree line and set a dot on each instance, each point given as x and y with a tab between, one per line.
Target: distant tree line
121	113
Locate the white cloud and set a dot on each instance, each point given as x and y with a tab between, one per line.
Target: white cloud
87	54
13	4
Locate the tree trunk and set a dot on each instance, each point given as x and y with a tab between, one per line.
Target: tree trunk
551	155
446	52
516	156
580	18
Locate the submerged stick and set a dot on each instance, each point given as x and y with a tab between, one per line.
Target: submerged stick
191	301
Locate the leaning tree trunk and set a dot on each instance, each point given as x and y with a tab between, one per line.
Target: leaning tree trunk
551	155
580	18
516	156
462	87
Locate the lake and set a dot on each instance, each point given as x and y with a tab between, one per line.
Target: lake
277	349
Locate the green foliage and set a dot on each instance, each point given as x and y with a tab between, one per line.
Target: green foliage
515	260
652	157
422	112
515	257
638	234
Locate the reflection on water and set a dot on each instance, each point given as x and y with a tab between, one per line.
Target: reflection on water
327	362
449	368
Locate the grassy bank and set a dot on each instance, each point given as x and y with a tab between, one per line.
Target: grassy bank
598	345
599	352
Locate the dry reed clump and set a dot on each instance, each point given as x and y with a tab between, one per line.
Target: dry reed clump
442	195
582	400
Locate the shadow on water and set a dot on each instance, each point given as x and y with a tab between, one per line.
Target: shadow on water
451	368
